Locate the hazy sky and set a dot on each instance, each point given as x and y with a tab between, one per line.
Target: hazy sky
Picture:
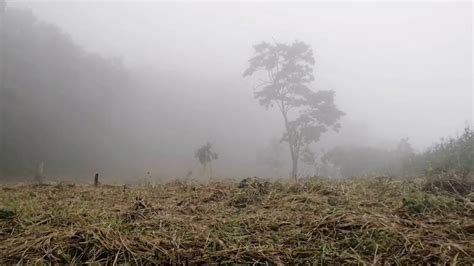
398	69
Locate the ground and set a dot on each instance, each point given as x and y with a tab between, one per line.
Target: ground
355	221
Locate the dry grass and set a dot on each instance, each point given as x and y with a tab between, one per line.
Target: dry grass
355	221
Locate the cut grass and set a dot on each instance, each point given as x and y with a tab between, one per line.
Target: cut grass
367	221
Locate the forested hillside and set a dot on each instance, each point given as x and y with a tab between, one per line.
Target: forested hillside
60	105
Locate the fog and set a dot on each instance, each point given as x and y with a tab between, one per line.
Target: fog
398	70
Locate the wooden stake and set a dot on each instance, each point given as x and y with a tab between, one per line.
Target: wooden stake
39	173
96	179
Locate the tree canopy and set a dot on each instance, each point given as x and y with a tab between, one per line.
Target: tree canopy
287	76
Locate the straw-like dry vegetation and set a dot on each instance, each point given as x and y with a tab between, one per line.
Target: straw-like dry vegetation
356	221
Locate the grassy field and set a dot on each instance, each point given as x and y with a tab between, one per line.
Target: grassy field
356	221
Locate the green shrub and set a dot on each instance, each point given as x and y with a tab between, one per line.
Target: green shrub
453	156
419	203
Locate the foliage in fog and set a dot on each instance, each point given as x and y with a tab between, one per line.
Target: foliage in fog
271	156
288	70
451	155
205	156
60	104
370	161
448	157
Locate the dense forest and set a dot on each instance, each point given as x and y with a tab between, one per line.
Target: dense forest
46	72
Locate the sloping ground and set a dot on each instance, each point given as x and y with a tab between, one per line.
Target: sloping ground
319	221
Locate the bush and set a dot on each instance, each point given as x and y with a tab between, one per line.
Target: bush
370	161
419	203
451	157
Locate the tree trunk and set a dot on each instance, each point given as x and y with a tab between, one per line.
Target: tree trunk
210	170
294	169
96	180
294	155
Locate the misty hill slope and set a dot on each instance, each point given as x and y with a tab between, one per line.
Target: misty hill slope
358	221
61	105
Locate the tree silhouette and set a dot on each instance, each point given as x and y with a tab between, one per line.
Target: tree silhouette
306	113
205	155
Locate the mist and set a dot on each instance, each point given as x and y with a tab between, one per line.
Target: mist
160	79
